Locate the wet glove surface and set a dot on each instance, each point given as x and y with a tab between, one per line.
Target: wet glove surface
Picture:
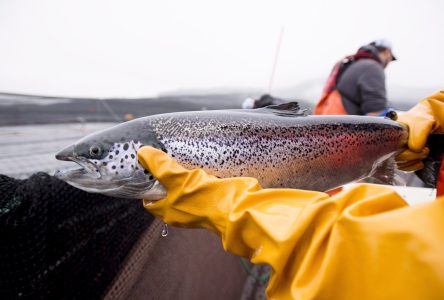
424	118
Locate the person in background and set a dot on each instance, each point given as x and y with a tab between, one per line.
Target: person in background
356	85
362	243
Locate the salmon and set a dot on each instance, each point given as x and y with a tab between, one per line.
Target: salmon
279	145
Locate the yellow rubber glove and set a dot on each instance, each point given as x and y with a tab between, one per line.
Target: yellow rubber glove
363	243
424	118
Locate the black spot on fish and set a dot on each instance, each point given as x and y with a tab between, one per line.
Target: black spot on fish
145	171
121	160
117	173
126	146
151	177
126	156
133	156
117	152
121	166
104	164
110	157
132	166
113	167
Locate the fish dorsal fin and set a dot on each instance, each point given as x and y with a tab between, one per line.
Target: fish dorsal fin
290	109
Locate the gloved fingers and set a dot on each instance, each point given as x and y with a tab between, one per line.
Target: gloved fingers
161	165
425	117
411	166
409	155
418	135
410	161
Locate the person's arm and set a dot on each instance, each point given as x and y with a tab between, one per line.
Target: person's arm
363	241
225	206
371	85
424	118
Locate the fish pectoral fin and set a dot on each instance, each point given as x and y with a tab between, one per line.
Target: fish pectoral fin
290	109
384	173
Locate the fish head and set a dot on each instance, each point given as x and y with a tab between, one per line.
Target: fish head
109	165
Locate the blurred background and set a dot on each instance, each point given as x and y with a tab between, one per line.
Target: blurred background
90	62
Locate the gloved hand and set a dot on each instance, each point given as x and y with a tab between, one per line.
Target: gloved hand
424	118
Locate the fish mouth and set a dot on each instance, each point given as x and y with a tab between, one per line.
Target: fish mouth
66	154
88	168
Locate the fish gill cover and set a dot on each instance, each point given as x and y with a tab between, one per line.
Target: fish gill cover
58	242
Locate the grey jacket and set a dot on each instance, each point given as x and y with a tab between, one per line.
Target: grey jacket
362	87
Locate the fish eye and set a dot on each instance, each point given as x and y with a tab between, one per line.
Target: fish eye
95	151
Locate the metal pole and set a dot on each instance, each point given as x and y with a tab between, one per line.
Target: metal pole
276	56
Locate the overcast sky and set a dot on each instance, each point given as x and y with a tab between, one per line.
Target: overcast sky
111	48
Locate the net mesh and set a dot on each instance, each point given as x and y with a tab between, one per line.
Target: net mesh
59	242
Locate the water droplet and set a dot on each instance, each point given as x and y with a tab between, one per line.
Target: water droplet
164	230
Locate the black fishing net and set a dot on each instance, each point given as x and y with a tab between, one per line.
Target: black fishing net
58	242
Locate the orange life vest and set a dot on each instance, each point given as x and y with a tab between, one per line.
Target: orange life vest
330	104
